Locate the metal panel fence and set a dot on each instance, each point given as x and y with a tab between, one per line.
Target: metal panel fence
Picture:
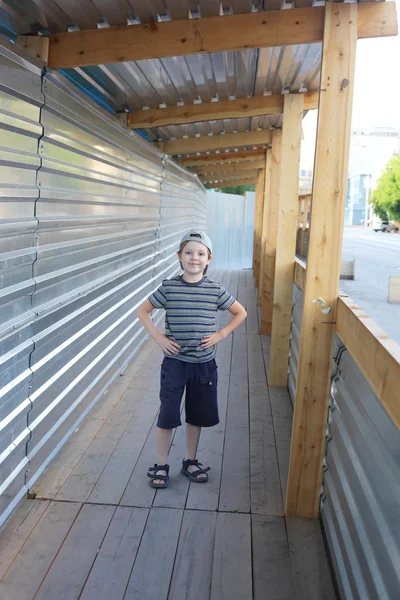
91	220
361	490
360	503
21	100
230	224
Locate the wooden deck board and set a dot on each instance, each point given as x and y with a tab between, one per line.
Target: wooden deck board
235	480
271	562
26	573
113	565
114	478
232	576
191	579
124	540
266	496
72	564
152	571
310	570
17	530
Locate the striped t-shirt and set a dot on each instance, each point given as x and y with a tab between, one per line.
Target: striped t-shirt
190	311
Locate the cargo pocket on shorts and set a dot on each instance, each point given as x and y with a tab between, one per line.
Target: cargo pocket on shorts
211	377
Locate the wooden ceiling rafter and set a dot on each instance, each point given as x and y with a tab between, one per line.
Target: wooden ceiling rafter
222	158
213	111
166	39
215	142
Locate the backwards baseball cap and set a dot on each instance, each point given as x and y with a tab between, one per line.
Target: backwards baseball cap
194	235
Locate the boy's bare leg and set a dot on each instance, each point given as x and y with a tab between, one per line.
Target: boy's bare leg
163	445
192	442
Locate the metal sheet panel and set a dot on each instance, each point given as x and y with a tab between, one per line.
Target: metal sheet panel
230	224
180	79
21	100
361	490
91	218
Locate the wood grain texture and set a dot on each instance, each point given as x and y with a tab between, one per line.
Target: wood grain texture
208	34
270	235
210	111
286	239
216	142
324	259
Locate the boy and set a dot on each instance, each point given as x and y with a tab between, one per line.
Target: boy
191	301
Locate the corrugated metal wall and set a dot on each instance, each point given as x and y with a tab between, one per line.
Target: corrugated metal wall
297	316
361	489
21	100
91	218
230	224
360	505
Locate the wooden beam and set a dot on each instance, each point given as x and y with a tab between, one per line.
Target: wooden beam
324	260
286	240
216	142
211	111
35	45
270	240
228	176
208	34
376	354
264	222
229	167
221	158
232	183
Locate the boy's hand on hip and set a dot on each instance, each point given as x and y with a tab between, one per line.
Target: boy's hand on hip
211	340
168	346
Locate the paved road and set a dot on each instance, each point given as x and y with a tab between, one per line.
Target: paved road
377	257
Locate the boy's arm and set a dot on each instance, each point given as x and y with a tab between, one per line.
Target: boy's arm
143	313
239	315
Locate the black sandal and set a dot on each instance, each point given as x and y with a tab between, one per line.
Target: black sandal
195	475
152	473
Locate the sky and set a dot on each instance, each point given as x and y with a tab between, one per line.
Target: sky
376	101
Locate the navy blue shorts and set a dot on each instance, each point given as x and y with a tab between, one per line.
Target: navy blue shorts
200	380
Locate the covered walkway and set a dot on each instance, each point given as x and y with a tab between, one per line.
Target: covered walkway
94	529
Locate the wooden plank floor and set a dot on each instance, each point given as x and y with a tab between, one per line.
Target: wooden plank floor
97	531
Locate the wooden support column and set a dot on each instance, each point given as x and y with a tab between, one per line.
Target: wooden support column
257	226
264	221
270	238
323	263
286	240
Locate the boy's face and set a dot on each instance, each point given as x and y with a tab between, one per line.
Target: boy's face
194	258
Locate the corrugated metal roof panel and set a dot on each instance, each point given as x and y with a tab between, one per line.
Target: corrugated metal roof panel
175	80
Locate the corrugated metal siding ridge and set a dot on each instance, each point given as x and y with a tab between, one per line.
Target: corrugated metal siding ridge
159	267
14	429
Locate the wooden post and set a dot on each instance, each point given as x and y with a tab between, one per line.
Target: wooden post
323	263
286	239
257	227
267	184
256	224
260	185
270	239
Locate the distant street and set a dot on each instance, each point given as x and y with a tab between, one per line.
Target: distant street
377	257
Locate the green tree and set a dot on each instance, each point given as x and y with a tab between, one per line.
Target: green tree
385	198
237	189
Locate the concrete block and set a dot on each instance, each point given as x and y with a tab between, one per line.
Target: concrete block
348	269
394	290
